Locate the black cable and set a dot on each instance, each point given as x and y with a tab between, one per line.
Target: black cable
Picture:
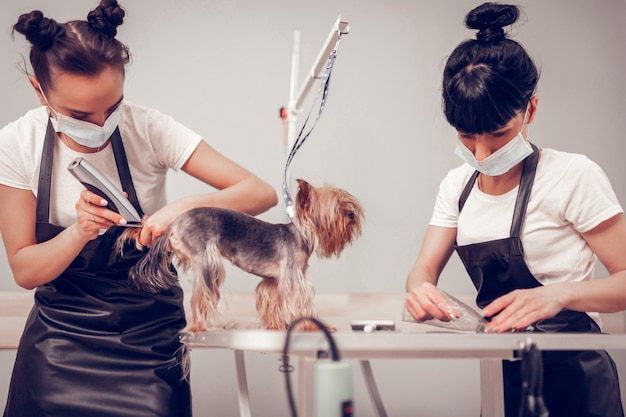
532	383
287	368
302	136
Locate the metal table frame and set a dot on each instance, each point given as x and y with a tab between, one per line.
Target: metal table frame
490	349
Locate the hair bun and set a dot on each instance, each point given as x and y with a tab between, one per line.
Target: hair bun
38	30
107	17
490	19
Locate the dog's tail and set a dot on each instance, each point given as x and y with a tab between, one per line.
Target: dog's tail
154	272
130	234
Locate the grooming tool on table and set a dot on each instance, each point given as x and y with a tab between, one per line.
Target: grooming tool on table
369	326
470	320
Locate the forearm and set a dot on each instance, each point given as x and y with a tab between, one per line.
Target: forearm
418	276
250	195
434	254
37	264
239	188
603	295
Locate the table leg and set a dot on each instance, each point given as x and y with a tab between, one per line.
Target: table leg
242	385
306	386
372	389
491	388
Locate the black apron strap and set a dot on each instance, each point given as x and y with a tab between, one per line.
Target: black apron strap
467	190
523	193
123	170
45	176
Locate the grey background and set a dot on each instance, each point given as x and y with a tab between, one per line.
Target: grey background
223	67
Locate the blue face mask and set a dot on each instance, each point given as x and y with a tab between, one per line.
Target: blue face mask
85	133
502	160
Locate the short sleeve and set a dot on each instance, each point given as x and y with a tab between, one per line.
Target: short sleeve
20	149
174	141
587	196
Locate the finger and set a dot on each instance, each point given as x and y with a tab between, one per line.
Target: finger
93	198
508	319
103	215
418	309
413	312
497	305
441	301
92	221
415	308
512	327
436	306
99	217
145	237
444	308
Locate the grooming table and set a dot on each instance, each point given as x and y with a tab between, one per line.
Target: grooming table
408	341
490	349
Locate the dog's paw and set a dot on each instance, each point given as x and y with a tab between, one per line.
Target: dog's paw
309	326
196	328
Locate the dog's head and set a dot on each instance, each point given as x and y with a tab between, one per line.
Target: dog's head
330	218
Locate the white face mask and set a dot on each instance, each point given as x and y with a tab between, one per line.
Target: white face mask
84	133
502	160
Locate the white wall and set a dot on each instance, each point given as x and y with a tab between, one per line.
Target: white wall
222	68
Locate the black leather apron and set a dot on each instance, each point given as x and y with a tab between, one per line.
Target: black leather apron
94	345
576	383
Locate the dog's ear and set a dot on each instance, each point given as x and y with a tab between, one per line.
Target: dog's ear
303	197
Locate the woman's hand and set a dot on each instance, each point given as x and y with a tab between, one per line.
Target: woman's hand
157	223
92	215
520	308
426	302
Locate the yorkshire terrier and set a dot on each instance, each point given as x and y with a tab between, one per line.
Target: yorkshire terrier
326	220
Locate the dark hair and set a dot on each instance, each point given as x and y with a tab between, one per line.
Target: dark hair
490	79
84	47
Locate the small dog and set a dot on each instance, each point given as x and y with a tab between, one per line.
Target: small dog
327	219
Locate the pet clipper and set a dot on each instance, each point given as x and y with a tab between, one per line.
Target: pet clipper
99	184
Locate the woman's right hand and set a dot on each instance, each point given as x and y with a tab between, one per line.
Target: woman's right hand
92	215
426	302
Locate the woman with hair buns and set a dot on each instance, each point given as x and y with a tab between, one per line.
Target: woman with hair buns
528	224
93	344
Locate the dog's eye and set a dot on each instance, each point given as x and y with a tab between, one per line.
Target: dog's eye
350	215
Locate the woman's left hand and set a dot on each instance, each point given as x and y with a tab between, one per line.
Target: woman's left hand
519	309
157	223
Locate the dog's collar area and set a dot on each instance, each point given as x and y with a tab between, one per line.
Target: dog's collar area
291	210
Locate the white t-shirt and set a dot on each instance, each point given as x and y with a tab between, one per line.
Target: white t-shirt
154	143
571	195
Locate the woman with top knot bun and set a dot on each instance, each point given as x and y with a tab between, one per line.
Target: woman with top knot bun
527	236
94	345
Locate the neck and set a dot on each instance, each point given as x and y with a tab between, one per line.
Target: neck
502	183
